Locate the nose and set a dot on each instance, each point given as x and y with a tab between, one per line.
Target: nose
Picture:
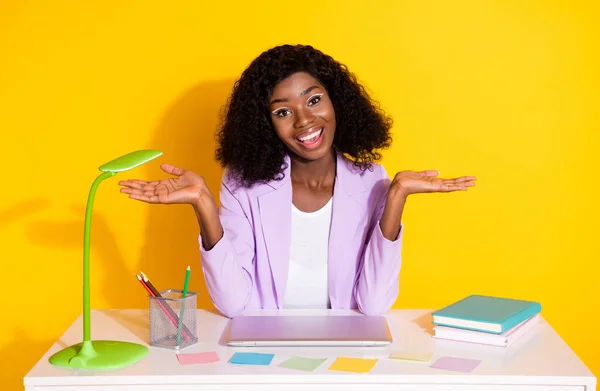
304	117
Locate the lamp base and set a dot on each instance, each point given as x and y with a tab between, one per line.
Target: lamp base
99	355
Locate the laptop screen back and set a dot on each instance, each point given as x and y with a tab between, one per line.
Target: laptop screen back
291	330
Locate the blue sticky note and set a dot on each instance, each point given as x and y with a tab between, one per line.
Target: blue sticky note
251	358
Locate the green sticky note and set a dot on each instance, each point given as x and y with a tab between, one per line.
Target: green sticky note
303	363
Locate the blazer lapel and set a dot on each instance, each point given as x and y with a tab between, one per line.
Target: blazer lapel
346	217
275	209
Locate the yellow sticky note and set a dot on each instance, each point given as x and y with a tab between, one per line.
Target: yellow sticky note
411	356
348	364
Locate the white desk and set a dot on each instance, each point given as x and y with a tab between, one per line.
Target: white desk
539	361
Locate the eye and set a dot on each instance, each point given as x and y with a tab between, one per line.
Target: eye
281	113
313	100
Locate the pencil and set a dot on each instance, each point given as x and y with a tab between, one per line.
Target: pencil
183	295
152	288
145	286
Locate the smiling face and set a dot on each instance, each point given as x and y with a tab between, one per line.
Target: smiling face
303	116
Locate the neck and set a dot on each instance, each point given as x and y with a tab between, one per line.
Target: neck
313	173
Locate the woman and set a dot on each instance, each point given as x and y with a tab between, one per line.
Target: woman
307	218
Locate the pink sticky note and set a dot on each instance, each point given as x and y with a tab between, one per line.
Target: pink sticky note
456	364
198	358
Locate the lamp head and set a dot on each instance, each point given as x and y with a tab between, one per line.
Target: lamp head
131	160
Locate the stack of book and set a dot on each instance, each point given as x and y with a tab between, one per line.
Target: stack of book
487	320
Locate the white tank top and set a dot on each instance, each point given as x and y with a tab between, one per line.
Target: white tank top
307	276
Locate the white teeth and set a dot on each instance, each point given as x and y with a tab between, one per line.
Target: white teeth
311	136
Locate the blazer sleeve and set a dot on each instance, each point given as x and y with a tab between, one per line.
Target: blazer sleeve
378	280
227	267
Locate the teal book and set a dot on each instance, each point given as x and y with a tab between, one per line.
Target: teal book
486	313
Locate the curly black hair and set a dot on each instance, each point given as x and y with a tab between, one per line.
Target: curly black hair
247	144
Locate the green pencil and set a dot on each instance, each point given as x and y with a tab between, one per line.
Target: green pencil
183	295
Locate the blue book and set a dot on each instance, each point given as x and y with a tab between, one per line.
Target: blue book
486	313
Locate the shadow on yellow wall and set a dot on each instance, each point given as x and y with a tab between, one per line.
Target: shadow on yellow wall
104	250
19	340
186	135
23	209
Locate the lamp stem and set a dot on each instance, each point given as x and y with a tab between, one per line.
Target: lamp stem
86	253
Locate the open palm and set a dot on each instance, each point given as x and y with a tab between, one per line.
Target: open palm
184	188
412	182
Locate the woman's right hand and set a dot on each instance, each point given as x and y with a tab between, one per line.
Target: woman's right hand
186	187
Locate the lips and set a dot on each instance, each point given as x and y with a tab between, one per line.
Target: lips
311	136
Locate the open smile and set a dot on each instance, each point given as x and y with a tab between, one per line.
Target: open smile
311	138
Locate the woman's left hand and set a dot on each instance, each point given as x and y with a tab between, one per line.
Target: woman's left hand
406	183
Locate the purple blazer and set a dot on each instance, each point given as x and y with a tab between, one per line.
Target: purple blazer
248	268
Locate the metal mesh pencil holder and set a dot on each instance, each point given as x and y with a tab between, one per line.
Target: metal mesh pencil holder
165	315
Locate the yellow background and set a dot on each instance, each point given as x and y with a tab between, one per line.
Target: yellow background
504	90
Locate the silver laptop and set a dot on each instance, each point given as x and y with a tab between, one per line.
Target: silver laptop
302	330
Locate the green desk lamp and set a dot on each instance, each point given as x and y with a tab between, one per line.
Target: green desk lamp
102	354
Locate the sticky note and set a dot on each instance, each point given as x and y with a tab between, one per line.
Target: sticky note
456	364
251	358
348	364
198	358
411	356
302	363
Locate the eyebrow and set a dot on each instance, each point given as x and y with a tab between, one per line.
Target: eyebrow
306	91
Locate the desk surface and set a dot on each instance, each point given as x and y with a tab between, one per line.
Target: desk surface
539	359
